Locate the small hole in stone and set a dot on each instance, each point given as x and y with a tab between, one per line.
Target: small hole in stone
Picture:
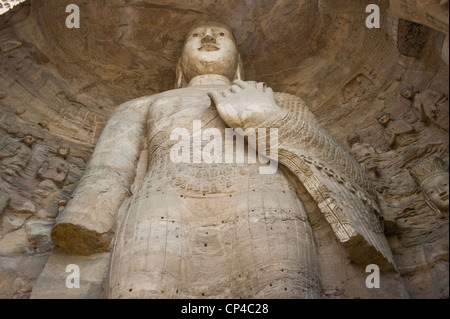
203	294
130	290
206	245
285	289
282	270
270	285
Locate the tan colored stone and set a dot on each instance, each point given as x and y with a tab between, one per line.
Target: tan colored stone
52	281
185	206
63	85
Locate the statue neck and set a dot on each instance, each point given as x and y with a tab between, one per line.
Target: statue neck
209	79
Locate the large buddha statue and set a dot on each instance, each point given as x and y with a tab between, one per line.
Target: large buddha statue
218	229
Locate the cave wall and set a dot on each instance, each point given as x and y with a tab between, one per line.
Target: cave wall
61	85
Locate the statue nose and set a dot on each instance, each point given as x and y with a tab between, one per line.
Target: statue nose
208	39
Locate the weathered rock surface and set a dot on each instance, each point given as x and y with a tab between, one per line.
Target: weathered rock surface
62	85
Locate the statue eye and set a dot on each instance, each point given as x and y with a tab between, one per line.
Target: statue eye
195	35
221	34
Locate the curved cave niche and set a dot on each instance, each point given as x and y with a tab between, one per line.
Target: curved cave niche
61	86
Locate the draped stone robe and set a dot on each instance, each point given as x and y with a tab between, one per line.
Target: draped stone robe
216	230
212	230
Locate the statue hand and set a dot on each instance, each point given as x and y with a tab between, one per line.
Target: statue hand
246	106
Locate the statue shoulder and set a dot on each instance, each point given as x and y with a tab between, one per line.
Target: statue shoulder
139	105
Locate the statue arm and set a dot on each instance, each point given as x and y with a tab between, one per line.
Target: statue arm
334	179
86	226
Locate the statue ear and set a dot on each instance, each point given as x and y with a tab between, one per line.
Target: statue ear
181	82
240	70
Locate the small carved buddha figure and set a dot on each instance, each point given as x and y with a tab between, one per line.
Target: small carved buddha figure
397	132
364	153
433	177
410	114
431	106
14	157
56	168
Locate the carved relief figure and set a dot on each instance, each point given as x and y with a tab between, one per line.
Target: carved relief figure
410	114
193	230
56	168
15	156
396	132
433	177
364	153
431	106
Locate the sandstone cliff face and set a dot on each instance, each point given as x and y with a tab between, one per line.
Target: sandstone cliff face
61	85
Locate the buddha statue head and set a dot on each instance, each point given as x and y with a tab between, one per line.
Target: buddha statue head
209	50
63	151
384	118
29	140
409	92
433	178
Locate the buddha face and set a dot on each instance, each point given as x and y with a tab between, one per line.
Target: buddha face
63	152
29	140
409	92
384	119
209	49
436	190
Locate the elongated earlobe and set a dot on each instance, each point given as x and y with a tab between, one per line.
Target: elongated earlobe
240	70
180	81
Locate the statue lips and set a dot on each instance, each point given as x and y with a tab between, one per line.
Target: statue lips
209	47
